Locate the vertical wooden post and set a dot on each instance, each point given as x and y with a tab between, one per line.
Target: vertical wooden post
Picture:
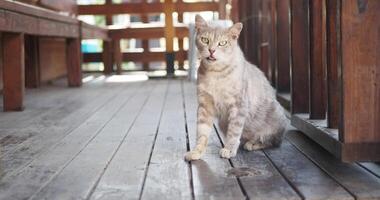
317	60
169	36
235	11
300	56
13	71
222	9
283	46
145	43
74	69
32	73
118	55
333	66
180	41
360	44
107	47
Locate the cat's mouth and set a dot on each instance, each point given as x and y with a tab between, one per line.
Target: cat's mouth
211	58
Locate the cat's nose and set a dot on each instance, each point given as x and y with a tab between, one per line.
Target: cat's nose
211	51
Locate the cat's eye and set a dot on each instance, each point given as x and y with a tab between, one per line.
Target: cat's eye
204	40
222	43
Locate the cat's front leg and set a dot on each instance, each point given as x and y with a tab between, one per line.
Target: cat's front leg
204	125
235	122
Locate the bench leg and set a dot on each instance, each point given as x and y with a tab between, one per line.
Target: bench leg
118	56
107	57
74	68
32	74
13	71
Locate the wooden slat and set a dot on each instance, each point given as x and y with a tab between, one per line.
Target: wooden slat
317	60
41	170
13	71
96	155
209	176
74	60
168	174
120	181
311	181
358	181
333	63
300	56
283	46
361	88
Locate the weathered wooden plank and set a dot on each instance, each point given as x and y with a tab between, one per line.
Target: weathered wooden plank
317	60
209	175
52	128
358	181
374	168
13	71
300	56
96	156
168	174
93	32
48	164
73	61
311	181
259	178
125	175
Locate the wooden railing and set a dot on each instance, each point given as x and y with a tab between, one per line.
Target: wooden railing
146	31
323	59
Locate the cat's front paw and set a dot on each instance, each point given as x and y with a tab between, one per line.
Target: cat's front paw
226	153
193	155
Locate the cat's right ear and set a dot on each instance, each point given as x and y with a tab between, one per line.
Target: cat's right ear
199	22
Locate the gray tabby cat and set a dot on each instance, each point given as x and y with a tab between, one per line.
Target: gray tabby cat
235	92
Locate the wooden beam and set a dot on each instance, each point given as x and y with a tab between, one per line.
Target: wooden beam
74	68
169	36
117	55
317	60
13	71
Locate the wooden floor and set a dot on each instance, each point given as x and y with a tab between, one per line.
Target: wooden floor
112	139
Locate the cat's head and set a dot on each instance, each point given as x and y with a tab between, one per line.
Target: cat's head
216	44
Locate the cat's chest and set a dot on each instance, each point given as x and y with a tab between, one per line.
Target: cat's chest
224	93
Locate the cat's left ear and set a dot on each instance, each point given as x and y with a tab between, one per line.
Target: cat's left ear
235	30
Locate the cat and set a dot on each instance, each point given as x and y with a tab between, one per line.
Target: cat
235	92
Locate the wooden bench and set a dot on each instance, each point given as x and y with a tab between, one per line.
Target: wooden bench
22	26
19	20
